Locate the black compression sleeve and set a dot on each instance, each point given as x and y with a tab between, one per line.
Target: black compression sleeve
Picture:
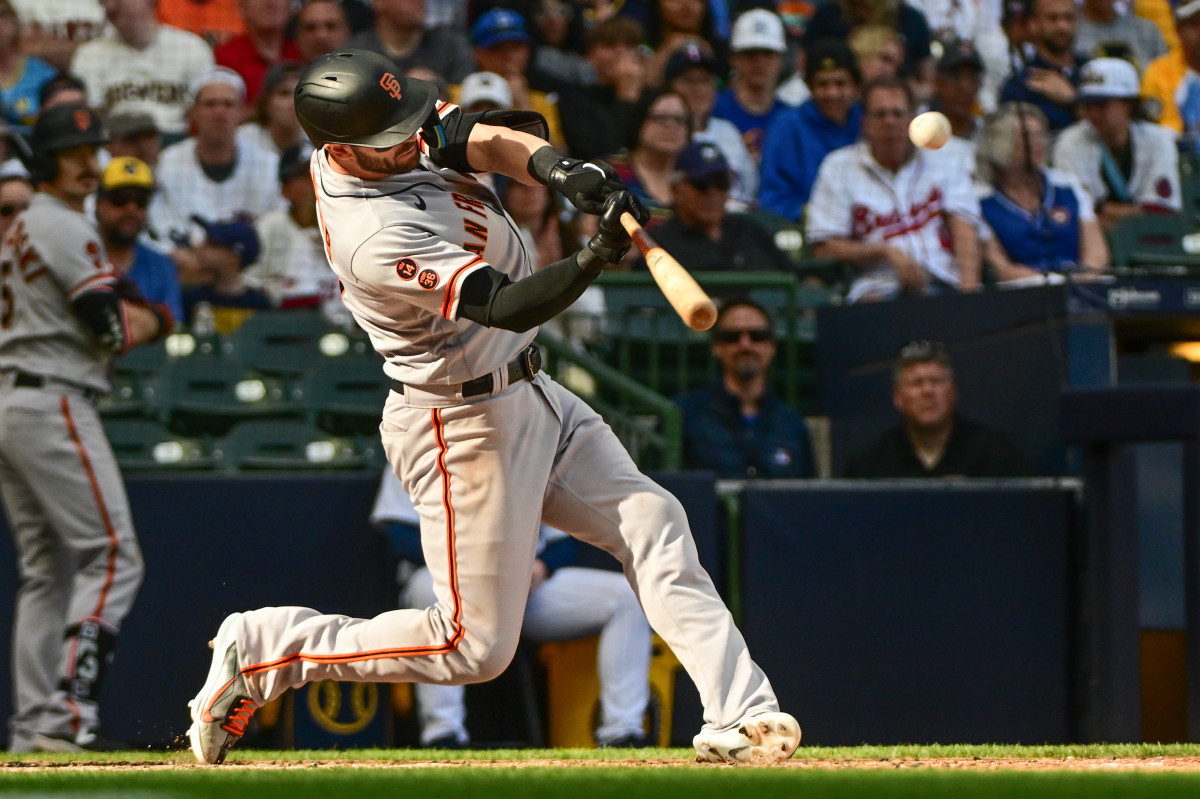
491	299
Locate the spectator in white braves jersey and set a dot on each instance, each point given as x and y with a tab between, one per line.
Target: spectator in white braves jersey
905	218
212	174
143	64
1125	164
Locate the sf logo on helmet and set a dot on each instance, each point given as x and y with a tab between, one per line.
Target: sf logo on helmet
390	85
82	119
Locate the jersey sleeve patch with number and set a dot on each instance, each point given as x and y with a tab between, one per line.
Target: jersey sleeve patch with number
426	271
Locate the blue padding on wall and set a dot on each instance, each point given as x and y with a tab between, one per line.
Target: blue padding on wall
916	614
214	545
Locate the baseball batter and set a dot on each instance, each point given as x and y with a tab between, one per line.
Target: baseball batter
64	313
485	444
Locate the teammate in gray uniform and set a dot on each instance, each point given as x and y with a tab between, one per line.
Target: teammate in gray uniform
64	313
485	444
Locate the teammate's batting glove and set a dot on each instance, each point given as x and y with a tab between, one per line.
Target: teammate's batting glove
611	242
585	183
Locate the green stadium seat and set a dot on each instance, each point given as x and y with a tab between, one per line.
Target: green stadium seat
286	444
1163	242
345	395
146	445
280	342
207	396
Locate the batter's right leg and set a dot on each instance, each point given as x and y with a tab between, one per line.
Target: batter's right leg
597	494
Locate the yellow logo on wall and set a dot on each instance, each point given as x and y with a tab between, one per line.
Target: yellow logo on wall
325	700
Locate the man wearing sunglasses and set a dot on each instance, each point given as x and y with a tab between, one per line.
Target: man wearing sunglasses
126	186
737	427
702	235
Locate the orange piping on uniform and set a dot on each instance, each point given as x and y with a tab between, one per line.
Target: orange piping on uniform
448	300
103	508
444	648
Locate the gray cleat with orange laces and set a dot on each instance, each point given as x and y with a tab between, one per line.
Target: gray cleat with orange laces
223	707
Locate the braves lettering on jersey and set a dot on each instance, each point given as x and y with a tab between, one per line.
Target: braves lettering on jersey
855	198
1049	239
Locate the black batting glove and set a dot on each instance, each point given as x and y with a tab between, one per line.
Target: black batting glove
585	183
611	242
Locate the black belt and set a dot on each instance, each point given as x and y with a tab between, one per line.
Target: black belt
524	367
27	380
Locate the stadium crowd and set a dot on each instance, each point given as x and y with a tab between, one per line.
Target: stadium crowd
1092	103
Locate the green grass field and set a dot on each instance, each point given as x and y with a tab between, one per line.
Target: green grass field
1031	772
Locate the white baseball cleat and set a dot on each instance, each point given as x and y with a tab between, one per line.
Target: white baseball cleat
223	707
764	738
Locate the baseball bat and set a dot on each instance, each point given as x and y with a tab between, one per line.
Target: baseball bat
690	301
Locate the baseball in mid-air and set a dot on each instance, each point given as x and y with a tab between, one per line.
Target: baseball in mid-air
930	130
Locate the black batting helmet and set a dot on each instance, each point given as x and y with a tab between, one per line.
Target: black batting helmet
357	97
61	127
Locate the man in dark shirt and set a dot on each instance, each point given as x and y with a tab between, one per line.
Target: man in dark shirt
736	427
702	235
932	440
1050	78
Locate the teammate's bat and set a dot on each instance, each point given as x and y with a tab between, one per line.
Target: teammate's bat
680	288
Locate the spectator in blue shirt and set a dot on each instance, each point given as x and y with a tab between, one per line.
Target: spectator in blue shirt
736	427
798	139
1050	78
126	186
757	50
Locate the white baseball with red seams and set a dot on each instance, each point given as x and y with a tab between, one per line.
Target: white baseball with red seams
930	130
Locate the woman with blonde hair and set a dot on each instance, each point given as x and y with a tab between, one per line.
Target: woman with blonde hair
1042	219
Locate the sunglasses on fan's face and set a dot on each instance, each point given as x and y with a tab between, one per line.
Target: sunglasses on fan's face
123	197
757	334
719	181
8	209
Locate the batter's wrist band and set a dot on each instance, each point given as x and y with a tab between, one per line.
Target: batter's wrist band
542	162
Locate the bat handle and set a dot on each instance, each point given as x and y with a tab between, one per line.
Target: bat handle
630	224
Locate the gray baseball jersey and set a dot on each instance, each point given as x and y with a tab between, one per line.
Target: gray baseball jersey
79	561
483	472
53	255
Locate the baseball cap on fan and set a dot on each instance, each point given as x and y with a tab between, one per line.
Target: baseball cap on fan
959	53
485	87
686	57
126	172
700	161
497	26
1109	79
758	29
234	235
